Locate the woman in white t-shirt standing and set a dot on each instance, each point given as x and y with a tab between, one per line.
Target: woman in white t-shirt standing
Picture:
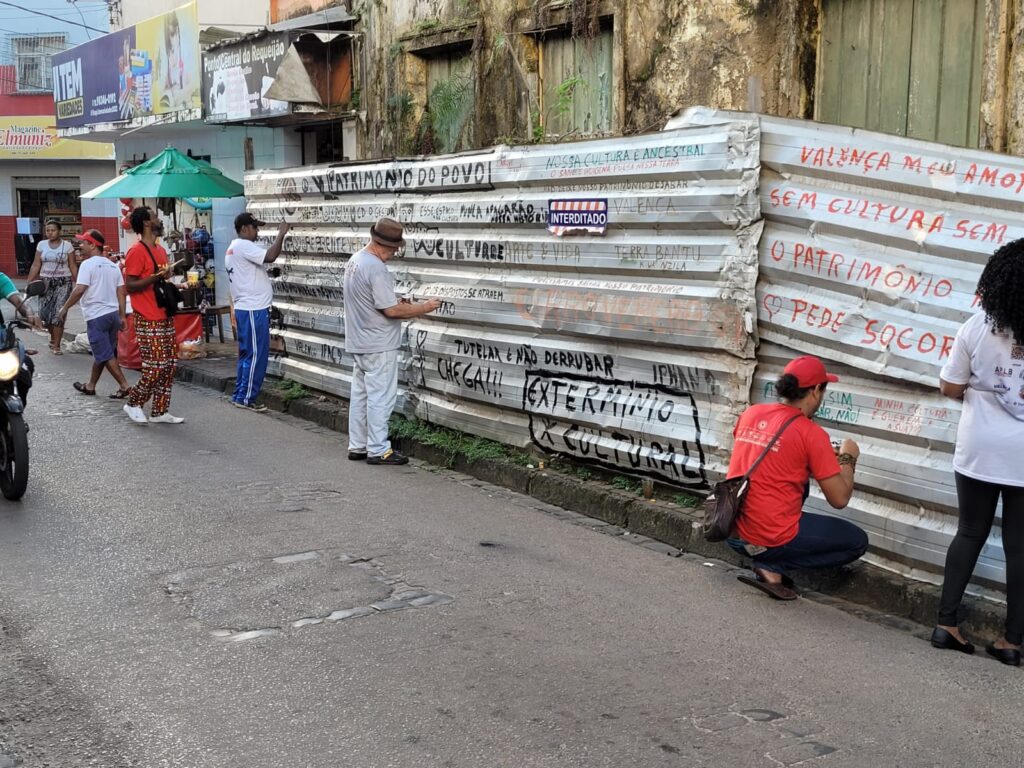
55	263
986	369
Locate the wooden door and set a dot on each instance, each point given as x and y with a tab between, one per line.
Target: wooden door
909	67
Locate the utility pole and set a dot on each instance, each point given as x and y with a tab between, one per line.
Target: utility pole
114	10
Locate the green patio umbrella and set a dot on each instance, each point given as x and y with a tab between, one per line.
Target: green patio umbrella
169	174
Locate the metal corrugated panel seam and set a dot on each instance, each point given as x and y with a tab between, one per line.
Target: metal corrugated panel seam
632	348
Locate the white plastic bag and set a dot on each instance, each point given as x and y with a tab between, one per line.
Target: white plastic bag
192	349
80	345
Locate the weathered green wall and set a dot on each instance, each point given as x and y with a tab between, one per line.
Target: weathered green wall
732	54
758	55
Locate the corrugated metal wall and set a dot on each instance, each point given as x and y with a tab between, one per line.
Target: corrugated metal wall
871	253
633	349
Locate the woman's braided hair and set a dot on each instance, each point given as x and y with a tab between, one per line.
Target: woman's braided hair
1001	290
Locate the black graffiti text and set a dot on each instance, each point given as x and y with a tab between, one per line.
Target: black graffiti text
585	362
478	378
616	400
460	250
521	354
686	377
617	448
308	290
328	353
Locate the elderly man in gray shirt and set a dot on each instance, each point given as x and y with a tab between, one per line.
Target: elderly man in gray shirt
373	335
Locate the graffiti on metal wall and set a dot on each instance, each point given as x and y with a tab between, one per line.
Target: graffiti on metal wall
568	413
630	347
582	402
870	257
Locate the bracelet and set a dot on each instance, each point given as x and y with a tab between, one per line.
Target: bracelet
847	458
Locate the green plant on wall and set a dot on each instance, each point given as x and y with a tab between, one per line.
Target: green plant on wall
565	93
529	126
399	112
559	114
451	106
426	26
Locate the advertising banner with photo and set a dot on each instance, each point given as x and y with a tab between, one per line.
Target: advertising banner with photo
237	77
149	69
282	10
34	138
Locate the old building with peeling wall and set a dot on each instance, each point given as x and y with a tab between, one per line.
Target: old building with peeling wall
704	255
523	71
532	67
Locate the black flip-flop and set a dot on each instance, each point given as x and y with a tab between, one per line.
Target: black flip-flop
760	572
121	394
83	389
775	591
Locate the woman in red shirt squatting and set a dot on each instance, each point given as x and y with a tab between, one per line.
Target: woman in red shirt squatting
772	528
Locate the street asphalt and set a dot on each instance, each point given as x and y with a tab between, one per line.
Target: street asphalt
232	592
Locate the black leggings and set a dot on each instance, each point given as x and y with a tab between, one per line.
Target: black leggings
978	500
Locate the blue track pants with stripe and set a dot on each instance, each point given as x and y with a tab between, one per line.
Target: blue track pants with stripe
253	350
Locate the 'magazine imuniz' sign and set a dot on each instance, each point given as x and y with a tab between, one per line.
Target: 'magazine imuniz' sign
583	216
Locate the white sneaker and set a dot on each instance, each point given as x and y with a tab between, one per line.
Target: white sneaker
166	418
135	413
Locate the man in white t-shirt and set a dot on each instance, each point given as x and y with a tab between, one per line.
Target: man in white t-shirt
100	288
251	296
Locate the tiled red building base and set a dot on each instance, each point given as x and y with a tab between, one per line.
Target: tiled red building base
8	232
108	226
8	260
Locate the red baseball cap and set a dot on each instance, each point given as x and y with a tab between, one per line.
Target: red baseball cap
809	371
90	238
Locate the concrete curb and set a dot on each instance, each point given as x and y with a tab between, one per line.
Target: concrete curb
862	583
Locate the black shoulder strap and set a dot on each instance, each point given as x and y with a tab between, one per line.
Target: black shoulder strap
151	257
767	448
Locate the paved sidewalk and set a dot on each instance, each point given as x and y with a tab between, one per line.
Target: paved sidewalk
669	524
232	592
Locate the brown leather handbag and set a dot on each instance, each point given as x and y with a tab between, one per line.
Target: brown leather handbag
724	503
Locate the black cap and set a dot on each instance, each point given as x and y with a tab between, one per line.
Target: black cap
247	218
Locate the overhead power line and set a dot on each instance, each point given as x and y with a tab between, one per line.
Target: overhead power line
56	18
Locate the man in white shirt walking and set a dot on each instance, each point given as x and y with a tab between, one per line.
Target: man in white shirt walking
251	295
100	288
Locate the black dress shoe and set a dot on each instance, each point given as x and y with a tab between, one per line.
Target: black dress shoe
943	639
1008	656
390	458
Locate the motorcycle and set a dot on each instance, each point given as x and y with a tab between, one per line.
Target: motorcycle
13	430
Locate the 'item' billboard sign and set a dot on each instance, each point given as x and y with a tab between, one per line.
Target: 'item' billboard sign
151	68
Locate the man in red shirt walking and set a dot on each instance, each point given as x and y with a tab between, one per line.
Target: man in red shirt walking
772	528
145	264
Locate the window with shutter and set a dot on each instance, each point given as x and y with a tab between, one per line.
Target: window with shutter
908	67
33	61
576	84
